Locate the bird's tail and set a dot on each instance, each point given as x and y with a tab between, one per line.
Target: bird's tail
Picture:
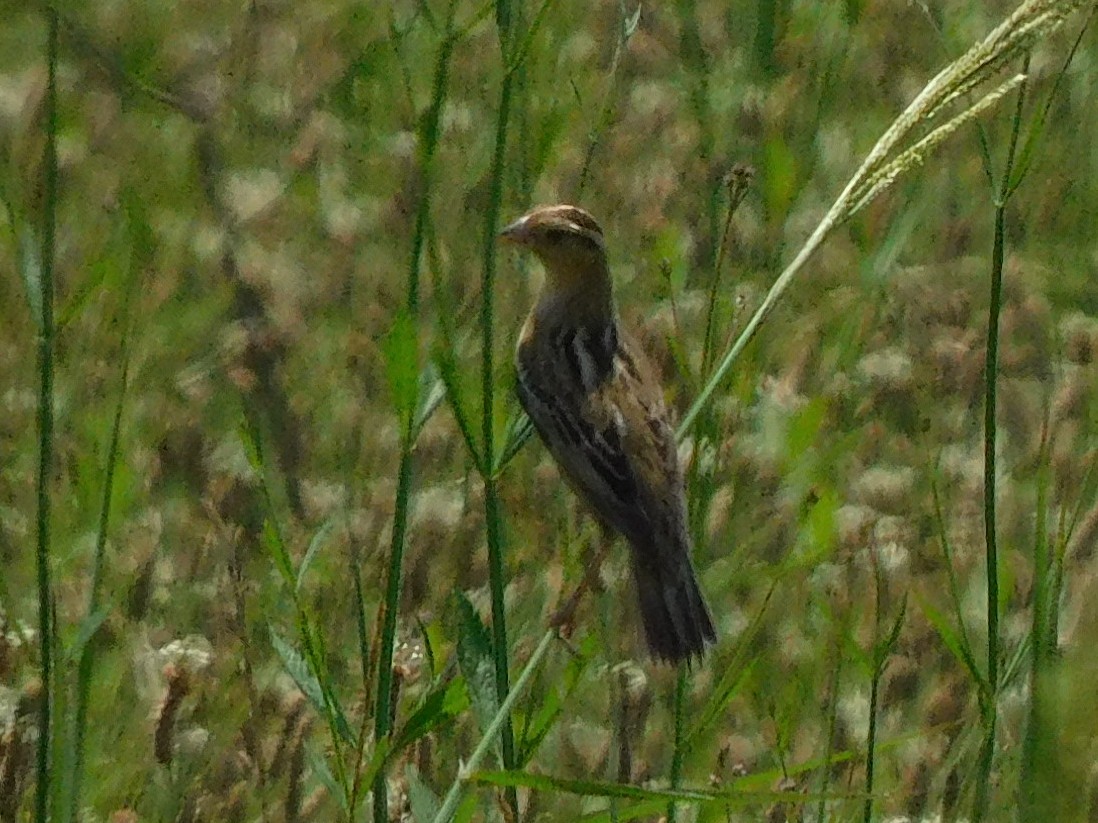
676	620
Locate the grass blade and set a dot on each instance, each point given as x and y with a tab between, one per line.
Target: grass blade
45	431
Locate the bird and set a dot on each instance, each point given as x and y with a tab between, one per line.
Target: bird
598	407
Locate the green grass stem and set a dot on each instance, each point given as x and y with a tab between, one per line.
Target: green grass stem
86	665
991	546
682	679
696	61
501	720
1038	755
832	720
493	514
383	710
627	27
871	747
383	715
737	181
46	345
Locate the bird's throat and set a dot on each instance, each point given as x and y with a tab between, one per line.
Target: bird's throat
586	298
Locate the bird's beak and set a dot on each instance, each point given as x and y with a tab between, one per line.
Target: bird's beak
514	233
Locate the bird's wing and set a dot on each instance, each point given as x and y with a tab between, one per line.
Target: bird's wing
613	443
650	446
587	447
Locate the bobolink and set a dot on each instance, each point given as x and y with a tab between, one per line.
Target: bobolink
599	409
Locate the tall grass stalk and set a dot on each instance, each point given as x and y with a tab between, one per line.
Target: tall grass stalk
681	680
832	721
499	722
1042	754
696	62
493	515
627	28
737	181
490	458
46	342
991	548
92	615
310	668
871	746
383	715
428	149
383	710
1030	22
879	654
967	657
1035	744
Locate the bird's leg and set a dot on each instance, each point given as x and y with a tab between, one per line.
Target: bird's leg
563	618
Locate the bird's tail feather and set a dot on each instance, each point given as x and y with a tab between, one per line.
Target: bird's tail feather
677	623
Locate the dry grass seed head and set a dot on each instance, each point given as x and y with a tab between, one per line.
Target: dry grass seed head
178	684
1070	400
946	706
295	778
886	488
902	679
1083	541
955	361
1080	335
293	706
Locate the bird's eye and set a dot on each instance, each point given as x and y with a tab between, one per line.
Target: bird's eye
556	235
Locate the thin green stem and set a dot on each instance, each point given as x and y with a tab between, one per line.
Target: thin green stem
694	58
429	143
492	510
991	380
496	727
312	641
606	109
87	653
991	551
871	745
383	710
384	714
1037	128
1036	756
45	428
878	657
832	723
366	662
950	566
680	726
737	181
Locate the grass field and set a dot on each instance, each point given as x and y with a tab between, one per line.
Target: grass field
274	540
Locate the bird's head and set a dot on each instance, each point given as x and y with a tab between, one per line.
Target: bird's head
569	244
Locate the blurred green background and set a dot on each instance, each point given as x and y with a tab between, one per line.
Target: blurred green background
242	189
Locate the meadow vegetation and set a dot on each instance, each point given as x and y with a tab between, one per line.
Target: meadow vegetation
293	543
